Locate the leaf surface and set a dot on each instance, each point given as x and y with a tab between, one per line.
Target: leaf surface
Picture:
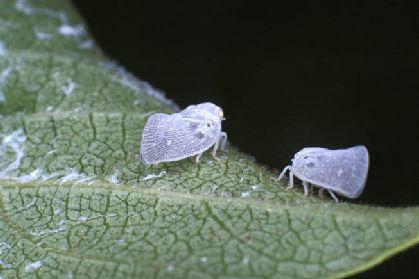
75	200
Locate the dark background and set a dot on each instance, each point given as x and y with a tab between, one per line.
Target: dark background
288	75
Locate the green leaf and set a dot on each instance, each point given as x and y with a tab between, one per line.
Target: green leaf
75	200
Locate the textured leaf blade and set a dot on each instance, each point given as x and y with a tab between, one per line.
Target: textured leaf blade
32	82
76	201
82	229
51	26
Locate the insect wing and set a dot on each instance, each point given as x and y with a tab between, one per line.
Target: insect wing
204	112
343	171
172	138
312	150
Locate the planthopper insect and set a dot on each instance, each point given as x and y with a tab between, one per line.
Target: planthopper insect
180	135
343	171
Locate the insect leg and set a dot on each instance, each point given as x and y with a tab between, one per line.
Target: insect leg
305	185
198	157
333	195
321	190
291	180
223	140
214	151
283	172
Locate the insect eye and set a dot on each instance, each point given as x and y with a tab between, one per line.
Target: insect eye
305	157
208	125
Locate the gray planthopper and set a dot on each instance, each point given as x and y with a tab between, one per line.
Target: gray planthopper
180	135
343	171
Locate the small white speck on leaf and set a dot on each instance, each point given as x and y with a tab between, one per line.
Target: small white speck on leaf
40	35
69	30
14	141
4	247
153	175
23	6
170	267
2	49
33	266
88	44
204	259
245	194
49	176
248	170
75	177
49	108
225	194
113	178
51	152
34	175
3	75
69	88
61	227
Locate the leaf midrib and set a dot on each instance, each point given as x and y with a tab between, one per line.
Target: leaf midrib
262	204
